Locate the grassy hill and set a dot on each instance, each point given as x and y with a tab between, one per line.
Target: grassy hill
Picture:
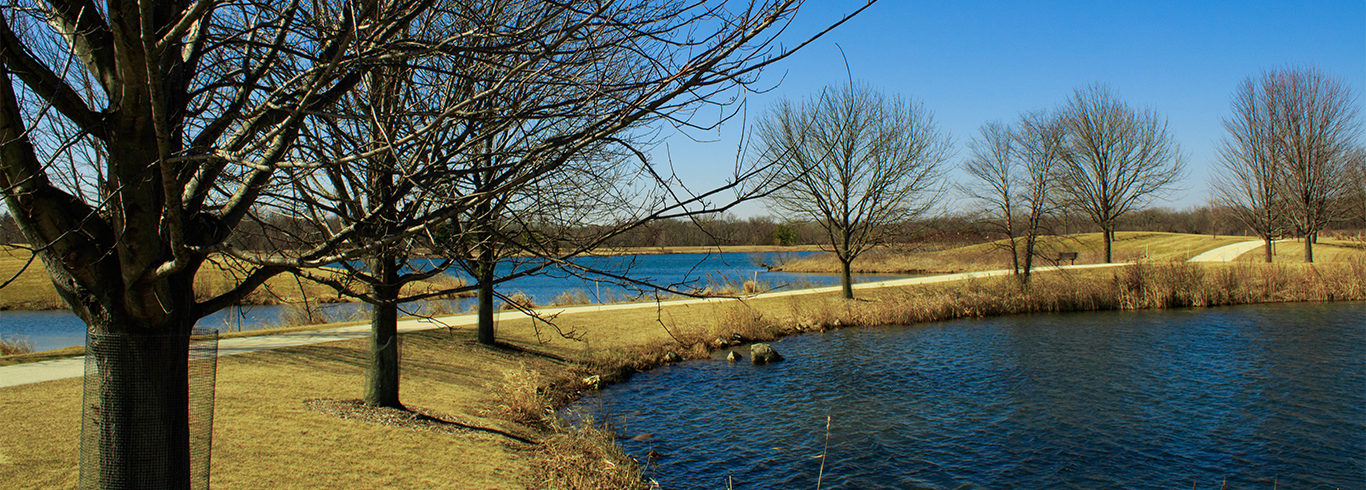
1128	246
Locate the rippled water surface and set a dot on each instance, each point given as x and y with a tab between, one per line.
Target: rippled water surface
1259	395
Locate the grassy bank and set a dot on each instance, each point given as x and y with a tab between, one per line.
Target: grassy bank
495	431
1128	246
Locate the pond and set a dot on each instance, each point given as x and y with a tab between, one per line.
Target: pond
57	329
1254	396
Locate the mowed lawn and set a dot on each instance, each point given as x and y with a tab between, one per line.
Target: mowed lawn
1128	246
1292	251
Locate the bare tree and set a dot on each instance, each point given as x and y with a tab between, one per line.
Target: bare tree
1358	176
134	137
1313	125
1013	170
1039	147
1249	172
855	161
995	181
1118	158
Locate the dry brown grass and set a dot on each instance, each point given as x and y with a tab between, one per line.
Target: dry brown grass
1128	246
585	457
265	437
518	300
1292	251
14	346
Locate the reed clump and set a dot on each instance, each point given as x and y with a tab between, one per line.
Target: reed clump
13	346
571	455
1142	285
572	297
518	300
586	457
300	314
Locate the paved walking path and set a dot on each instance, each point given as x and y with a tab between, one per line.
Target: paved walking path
1228	253
74	367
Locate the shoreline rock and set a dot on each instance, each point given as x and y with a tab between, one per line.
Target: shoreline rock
761	354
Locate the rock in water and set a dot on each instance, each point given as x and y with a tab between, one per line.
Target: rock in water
733	356
763	354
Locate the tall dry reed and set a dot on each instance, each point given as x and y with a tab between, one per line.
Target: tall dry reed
1142	285
10	346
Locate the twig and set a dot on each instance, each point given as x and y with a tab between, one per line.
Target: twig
824	451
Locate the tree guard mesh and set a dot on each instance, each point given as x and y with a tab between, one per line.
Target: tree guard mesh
147	410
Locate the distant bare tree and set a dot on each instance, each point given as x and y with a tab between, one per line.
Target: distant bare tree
1248	171
1118	159
1039	141
1313	125
1013	170
856	162
1359	178
995	181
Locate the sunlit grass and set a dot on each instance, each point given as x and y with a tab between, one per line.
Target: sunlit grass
1292	251
1128	246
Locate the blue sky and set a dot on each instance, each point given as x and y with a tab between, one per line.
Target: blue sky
971	62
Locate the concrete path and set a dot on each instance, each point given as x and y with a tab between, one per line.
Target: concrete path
74	367
1229	253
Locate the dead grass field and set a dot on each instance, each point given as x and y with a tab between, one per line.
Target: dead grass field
1292	251
1127	246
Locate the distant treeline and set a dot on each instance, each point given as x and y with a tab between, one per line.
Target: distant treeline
764	230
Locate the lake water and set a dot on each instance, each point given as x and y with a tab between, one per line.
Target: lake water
1258	396
57	329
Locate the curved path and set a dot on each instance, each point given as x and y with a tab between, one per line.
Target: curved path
1229	253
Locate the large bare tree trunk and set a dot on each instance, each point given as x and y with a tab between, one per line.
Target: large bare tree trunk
382	375
143	400
1028	257
1106	231
1308	249
1268	250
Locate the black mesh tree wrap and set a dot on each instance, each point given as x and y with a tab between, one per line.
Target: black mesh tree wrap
140	391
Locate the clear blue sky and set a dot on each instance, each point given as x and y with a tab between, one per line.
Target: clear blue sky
971	62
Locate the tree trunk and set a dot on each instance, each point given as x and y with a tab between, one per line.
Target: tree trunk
1268	250
1014	246
846	279
143	412
1308	249
1028	258
382	375
1109	239
485	330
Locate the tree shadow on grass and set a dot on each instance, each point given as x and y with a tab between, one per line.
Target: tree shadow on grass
415	418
